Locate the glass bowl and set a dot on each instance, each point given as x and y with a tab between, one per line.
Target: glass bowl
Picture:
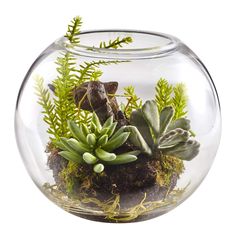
118	135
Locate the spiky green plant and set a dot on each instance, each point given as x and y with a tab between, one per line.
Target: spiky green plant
89	71
95	144
48	108
163	95
116	43
60	107
73	30
169	95
65	107
133	101
153	131
179	101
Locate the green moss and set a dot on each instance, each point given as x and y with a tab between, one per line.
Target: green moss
68	175
169	165
76	178
173	163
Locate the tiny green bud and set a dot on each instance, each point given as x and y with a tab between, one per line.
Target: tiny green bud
98	168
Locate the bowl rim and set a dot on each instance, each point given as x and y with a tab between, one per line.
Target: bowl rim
171	45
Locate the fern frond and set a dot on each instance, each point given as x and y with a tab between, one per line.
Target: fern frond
61	108
84	117
117	43
73	30
66	67
133	101
65	107
163	95
168	95
48	109
179	101
90	69
96	75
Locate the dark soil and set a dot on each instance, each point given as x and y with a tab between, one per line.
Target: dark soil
127	178
56	163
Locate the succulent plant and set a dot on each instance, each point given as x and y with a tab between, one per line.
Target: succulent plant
95	144
152	131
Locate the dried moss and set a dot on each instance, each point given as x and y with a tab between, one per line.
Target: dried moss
110	209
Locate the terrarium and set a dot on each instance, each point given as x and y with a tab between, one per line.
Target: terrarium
117	125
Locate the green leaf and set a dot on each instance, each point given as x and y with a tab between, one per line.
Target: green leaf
112	128
135	152
59	144
96	121
172	138
93	128
182	123
179	101
151	115
91	139
64	106
136	138
87	70
71	156
78	146
105	156
73	30
104	131
165	118
116	142
163	97
175	96
117	43
102	140
184	151
133	101
98	168
89	158
118	132
107	123
137	119
84	129
48	108
76	131
67	147
123	159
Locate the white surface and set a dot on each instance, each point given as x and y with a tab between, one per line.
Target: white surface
207	27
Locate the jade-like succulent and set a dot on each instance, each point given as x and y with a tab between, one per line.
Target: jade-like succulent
151	131
94	145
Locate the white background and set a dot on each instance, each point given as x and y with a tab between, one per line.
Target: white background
207	27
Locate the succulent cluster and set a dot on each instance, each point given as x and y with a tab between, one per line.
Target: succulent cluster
95	144
152	131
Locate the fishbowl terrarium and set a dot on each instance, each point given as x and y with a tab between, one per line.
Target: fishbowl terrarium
117	125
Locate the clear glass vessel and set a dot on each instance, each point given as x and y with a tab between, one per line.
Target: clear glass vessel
169	121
